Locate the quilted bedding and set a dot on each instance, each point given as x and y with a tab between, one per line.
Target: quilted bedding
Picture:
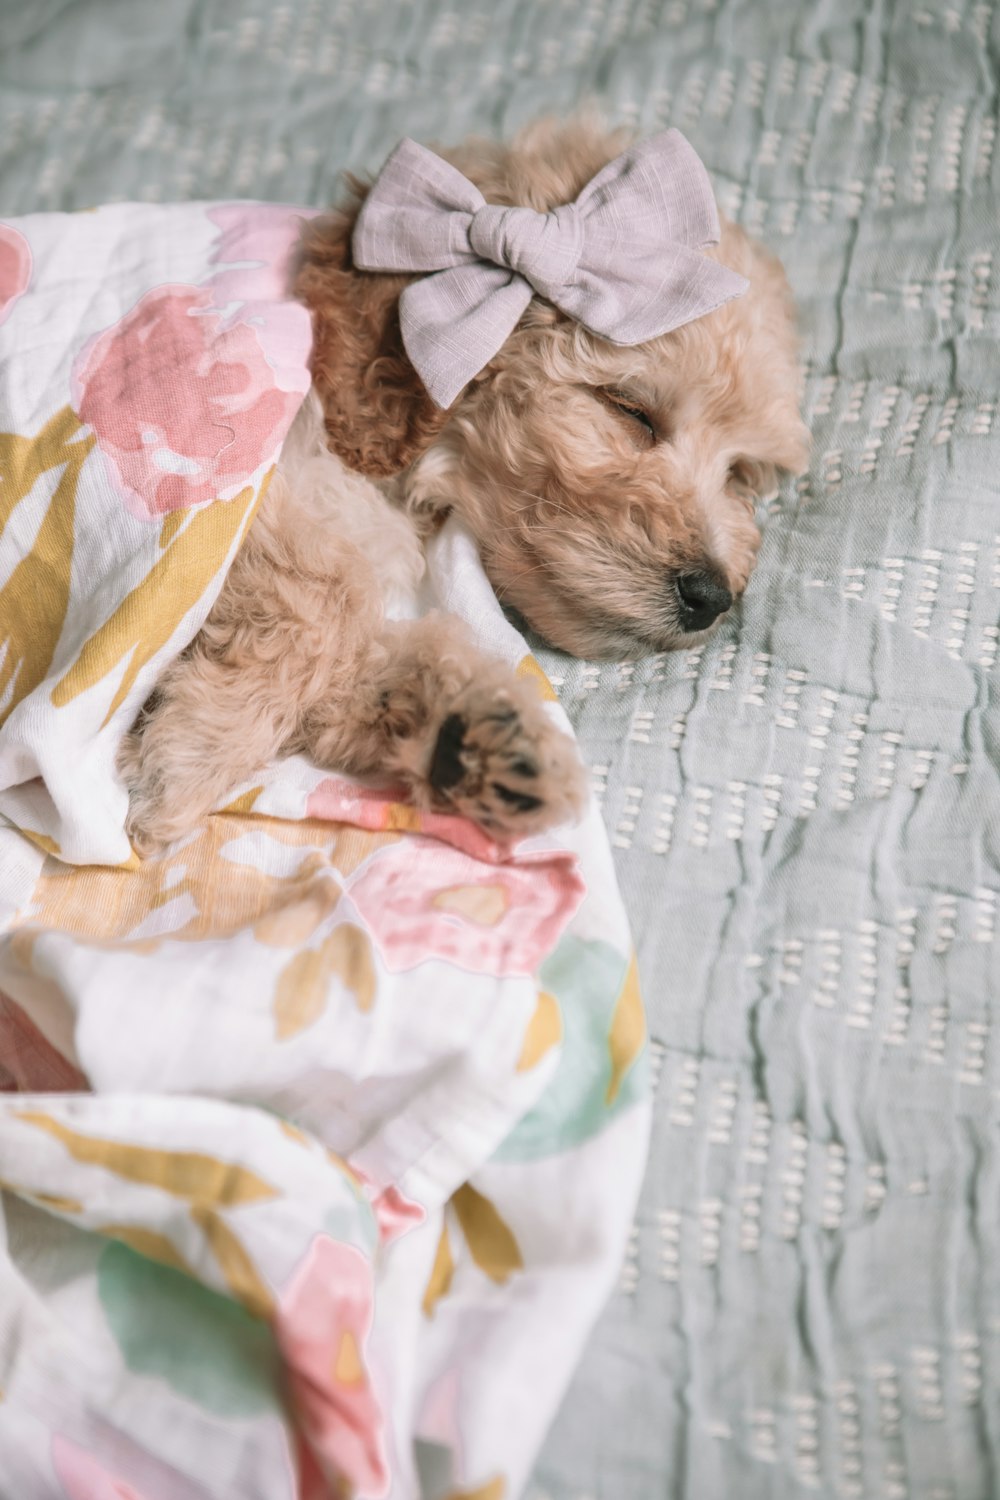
806	813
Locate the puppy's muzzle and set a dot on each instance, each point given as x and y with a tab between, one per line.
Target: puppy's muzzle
702	598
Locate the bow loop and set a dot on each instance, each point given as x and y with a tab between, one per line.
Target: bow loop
624	260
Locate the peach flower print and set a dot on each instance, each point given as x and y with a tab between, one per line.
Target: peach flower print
15	268
423	900
183	404
322	1325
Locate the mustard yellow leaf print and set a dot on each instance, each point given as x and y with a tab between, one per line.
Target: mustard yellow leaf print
201	1179
108	904
241	1274
343	1165
628	1030
300	993
53	1201
244	802
148	616
173	521
23	460
58	1204
348	953
491	1243
401	818
544	1031
354	845
35	598
303	985
495	1490
441	1275
295	922
147	1242
528	667
42	841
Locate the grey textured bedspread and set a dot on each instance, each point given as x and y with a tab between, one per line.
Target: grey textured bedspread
807	811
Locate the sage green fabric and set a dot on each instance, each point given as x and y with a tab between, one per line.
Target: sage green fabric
807	811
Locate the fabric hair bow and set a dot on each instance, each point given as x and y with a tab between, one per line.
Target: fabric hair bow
623	260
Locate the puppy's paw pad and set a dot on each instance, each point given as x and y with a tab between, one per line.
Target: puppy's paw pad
505	765
446	768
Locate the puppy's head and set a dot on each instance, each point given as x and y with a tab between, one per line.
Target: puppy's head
611	490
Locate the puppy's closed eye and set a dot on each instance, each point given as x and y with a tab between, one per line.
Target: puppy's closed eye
644	428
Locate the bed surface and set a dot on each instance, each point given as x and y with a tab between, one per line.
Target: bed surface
806	813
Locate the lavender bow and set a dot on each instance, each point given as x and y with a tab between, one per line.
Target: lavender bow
624	259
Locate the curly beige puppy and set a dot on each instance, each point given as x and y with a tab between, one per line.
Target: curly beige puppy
611	492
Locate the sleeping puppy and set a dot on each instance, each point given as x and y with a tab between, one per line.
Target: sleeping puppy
610	489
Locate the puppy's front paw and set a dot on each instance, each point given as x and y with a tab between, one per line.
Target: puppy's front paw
498	759
152	820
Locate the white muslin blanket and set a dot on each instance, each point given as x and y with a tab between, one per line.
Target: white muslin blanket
321	1133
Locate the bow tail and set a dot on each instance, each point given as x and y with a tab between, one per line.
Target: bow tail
658	287
700	285
454	322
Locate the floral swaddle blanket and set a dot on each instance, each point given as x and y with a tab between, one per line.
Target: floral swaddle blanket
321	1133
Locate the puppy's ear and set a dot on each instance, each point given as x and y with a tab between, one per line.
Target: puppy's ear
754	478
790	448
379	418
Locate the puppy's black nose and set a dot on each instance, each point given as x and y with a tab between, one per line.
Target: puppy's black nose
703	598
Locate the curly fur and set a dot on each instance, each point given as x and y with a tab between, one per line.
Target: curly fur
378	415
592	525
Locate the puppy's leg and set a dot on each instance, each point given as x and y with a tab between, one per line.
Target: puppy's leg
459	728
294	624
207	729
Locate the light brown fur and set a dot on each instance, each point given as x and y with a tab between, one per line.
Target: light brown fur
596	529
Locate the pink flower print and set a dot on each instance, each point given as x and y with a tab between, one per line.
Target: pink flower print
423	900
394	1212
339	801
83	1478
323	1321
385	809
93	1464
254	254
15	268
185	408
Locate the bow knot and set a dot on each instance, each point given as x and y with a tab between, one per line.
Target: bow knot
625	259
543	248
